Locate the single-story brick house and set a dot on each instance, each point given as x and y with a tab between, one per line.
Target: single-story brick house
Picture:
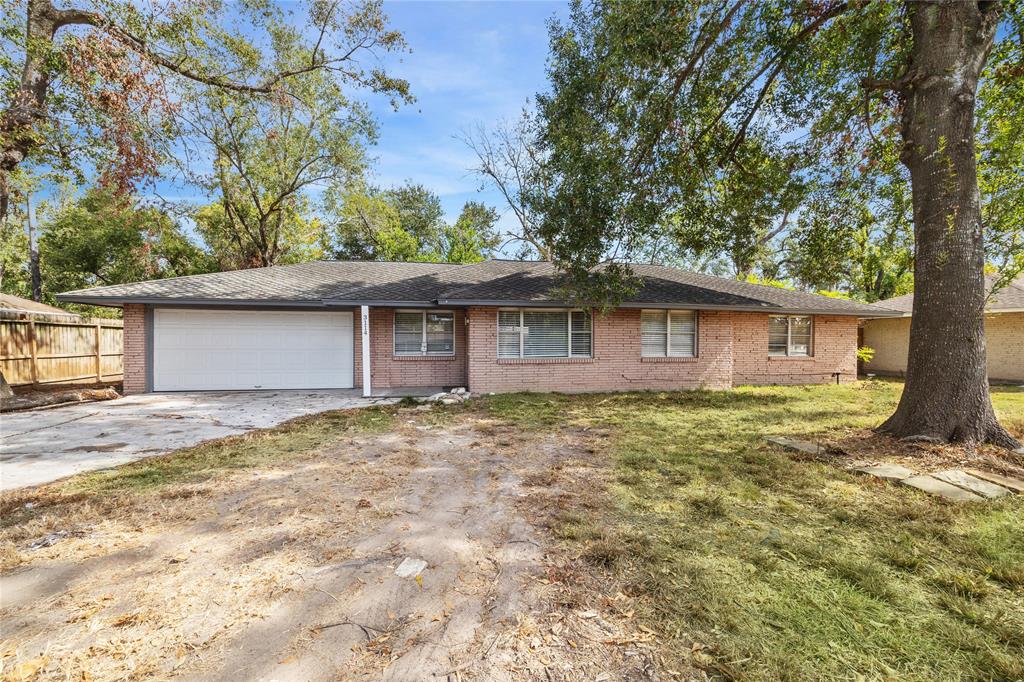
494	326
1004	334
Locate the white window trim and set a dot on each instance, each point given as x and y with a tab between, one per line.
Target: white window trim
789	336
522	336
423	333
668	332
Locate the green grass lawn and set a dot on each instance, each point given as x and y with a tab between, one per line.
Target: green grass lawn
790	569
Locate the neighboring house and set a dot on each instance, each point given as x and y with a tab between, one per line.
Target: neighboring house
1004	334
494	326
15	307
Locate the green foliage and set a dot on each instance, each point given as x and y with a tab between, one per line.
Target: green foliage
271	154
767	281
13	259
406	223
298	237
100	239
472	238
865	353
120	76
742	136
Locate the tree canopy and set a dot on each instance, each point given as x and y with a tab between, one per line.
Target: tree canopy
720	123
752	129
406	223
101	83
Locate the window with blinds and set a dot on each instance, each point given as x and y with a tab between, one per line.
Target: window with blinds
423	332
544	334
790	336
668	333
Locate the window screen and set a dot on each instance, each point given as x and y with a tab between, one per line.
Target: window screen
682	333
790	336
544	334
508	334
424	333
408	333
440	333
668	333
582	334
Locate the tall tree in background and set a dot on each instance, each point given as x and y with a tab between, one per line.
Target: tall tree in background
271	155
472	237
104	238
406	223
510	159
99	80
650	99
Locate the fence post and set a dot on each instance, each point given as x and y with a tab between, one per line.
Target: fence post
99	357
33	349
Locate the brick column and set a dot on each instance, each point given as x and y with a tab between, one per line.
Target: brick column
134	339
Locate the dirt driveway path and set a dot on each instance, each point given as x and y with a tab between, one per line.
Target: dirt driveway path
312	571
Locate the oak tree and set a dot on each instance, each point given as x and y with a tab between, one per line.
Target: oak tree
100	80
649	101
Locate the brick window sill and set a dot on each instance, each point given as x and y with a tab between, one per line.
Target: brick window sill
791	358
545	361
423	358
669	359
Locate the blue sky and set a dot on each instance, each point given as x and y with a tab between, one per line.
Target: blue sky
471	63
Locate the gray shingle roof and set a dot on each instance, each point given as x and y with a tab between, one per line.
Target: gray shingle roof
493	282
1009	298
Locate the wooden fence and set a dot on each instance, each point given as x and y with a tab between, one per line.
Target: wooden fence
44	351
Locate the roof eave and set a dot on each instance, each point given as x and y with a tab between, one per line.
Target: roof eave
120	301
779	310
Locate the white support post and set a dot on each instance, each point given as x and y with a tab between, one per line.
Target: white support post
364	314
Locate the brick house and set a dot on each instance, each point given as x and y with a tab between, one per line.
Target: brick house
1004	334
495	326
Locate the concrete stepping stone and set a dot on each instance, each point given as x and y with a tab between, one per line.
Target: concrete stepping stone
934	486
410	567
962	479
889	472
1013	484
797	445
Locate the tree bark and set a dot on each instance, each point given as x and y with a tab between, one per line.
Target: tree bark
946	394
33	252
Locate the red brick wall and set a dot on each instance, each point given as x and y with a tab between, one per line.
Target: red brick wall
732	350
388	371
134	348
616	365
834	349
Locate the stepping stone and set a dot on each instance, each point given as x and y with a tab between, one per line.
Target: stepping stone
410	568
890	472
979	486
934	486
1013	484
797	445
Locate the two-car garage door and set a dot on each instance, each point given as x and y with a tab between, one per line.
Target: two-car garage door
205	350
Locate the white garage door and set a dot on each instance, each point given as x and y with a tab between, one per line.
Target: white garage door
206	350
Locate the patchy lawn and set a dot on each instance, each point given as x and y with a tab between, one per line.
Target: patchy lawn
275	555
638	536
755	565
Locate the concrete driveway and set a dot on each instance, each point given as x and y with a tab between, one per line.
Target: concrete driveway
45	445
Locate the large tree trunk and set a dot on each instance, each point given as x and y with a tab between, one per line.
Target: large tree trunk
946	394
